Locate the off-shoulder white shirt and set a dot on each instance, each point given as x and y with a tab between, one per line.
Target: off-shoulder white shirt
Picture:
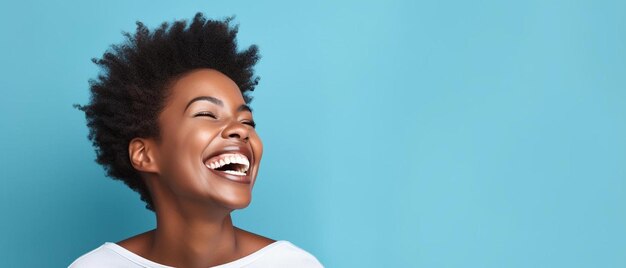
278	254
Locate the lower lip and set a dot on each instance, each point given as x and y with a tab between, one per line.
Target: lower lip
239	179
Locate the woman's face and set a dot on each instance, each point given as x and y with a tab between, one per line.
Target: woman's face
209	151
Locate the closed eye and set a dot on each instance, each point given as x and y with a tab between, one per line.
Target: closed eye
250	123
209	114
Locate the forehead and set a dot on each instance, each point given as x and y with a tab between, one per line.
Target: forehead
204	82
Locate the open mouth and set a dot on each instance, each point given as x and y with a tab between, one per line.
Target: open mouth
230	163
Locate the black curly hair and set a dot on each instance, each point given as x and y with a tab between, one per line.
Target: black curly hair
130	92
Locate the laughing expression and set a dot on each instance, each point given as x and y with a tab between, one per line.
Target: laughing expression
209	151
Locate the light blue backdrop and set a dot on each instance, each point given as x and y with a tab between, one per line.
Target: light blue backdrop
397	133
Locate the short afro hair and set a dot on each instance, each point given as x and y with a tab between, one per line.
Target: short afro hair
129	93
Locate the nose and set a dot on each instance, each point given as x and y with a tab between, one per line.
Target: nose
236	130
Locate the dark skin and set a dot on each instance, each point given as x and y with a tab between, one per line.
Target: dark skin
204	114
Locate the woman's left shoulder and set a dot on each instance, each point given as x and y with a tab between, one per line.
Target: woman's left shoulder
272	253
252	241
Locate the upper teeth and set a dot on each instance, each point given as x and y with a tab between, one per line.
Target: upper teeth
230	158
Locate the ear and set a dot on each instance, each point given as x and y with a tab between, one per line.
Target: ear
142	153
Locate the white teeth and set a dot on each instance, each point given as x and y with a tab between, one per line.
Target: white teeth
235	172
234	158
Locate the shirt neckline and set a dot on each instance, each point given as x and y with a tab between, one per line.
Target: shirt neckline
127	254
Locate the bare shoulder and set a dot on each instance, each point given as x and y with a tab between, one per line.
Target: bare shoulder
138	244
252	242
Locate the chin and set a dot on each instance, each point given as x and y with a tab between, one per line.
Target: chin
235	202
241	206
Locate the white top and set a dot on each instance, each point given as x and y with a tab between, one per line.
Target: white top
278	254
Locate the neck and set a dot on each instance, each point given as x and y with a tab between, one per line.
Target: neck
192	235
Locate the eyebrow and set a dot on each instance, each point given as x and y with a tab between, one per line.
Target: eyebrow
218	102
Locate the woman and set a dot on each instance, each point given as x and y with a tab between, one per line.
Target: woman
169	116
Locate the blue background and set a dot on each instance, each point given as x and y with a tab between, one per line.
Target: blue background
397	133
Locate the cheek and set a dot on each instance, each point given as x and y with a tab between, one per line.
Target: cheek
184	151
